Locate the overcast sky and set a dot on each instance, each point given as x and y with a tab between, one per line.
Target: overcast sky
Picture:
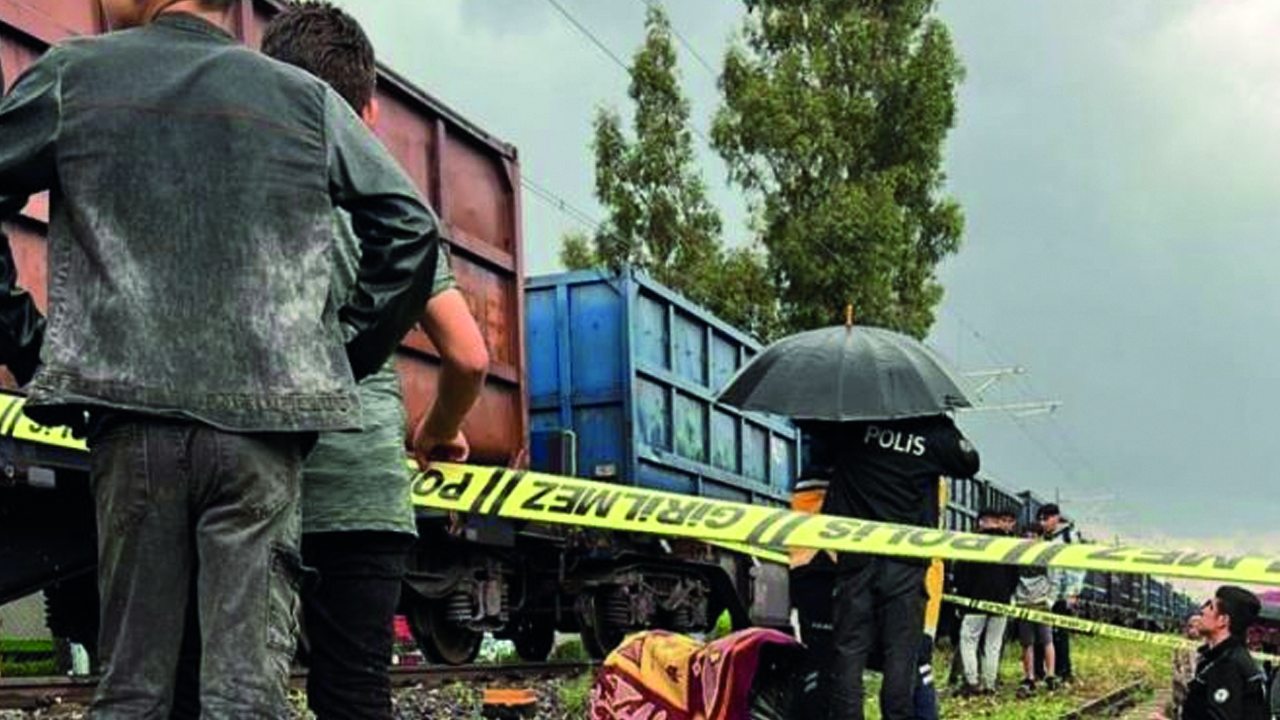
1116	165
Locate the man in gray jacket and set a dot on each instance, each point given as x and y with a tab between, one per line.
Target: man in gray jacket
191	328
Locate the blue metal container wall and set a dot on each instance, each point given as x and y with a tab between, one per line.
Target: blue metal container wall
632	369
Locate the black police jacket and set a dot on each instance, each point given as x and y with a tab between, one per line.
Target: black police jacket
889	470
1228	685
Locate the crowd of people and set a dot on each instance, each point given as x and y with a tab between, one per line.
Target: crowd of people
1046	651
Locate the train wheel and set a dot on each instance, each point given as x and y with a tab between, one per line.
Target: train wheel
600	632
443	641
533	638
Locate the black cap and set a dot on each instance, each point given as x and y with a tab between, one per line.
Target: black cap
1048	510
1240	605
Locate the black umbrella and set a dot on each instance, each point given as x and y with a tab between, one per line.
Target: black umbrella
843	373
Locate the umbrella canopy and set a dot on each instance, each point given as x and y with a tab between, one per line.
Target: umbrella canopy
844	373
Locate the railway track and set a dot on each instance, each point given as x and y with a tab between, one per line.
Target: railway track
35	693
1111	704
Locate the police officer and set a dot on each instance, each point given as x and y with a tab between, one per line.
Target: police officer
1228	685
886	471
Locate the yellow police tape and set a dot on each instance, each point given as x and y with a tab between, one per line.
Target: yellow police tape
1067	622
1090	627
521	495
15	424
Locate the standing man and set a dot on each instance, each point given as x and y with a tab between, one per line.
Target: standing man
992	583
357	516
190	318
884	471
1036	588
1227	685
1068	586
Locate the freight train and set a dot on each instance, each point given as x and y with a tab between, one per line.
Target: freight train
613	380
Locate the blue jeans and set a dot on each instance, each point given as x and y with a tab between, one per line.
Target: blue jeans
188	514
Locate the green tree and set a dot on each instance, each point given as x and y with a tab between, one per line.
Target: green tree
659	217
834	117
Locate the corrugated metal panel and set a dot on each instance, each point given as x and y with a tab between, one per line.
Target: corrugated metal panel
632	369
471	179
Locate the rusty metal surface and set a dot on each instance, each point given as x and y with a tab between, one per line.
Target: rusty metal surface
470	178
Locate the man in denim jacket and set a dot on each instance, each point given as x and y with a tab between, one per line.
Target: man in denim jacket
191	321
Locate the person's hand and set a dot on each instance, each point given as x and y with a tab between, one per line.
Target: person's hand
1157	715
429	447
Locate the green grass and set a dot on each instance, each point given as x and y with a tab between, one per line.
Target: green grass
1101	665
569	650
29	668
575	696
13	646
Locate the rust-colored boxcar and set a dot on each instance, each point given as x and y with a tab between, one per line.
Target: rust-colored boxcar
471	179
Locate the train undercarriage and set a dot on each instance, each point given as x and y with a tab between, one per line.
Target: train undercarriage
465	577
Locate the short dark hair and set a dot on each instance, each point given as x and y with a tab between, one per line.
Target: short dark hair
1240	605
1047	511
325	41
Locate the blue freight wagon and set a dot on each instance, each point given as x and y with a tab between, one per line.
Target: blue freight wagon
623	373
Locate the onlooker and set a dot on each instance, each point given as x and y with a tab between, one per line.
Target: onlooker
1036	589
190	318
993	583
1227	684
358	522
884	471
1069	585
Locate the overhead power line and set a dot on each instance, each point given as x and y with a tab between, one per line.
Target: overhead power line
683	41
588	34
564	206
594	40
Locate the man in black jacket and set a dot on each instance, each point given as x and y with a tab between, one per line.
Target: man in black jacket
993	583
885	471
1228	685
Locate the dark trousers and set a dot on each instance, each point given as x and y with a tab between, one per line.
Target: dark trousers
190	515
925	695
811	592
1061	648
348	612
349	616
1062	644
877	602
